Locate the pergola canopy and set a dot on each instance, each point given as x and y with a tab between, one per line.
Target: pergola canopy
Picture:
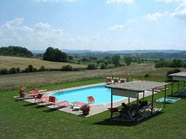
180	76
132	89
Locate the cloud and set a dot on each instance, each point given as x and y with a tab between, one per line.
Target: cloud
14	32
42	26
120	1
56	1
169	1
118	27
180	11
155	16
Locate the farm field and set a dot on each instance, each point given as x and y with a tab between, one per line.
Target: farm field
33	79
9	62
37	79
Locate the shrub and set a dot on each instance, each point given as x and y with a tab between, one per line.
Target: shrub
103	66
42	68
67	68
18	70
3	71
92	67
147	75
12	71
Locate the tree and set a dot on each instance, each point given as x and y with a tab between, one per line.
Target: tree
92	67
161	63
67	68
176	63
103	66
15	51
128	60
52	54
116	60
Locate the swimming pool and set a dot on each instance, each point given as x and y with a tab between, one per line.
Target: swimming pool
100	93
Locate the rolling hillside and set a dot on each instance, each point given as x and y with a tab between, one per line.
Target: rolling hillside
9	62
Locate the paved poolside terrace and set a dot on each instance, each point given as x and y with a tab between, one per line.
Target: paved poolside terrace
94	108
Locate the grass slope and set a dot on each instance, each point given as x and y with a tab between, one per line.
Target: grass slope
9	62
46	78
24	120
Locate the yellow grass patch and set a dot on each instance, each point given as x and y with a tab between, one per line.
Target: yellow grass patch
9	62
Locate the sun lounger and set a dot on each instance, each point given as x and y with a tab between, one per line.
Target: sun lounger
116	79
76	105
109	80
122	80
34	91
52	100
40	97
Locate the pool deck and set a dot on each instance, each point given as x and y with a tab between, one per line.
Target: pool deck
94	108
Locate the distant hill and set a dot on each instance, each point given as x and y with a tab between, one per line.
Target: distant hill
134	53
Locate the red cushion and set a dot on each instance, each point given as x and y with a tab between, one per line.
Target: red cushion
57	103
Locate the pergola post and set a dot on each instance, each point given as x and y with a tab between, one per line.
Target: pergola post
165	96
128	100
152	107
111	105
138	98
172	89
143	95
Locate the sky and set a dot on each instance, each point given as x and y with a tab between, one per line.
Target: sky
94	24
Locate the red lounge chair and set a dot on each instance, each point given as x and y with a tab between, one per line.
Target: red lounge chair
116	79
39	97
53	101
122	80
90	99
109	80
34	91
77	103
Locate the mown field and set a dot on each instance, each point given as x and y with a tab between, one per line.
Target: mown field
9	62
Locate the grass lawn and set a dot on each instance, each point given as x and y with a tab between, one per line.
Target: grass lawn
19	119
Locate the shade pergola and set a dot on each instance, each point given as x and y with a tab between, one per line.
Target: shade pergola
180	76
133	89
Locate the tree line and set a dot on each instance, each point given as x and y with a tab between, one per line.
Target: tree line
170	63
15	51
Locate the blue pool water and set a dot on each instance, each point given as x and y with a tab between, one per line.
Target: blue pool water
100	93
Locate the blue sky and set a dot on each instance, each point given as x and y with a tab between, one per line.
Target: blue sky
94	24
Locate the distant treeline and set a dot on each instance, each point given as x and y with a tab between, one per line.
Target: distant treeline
15	51
175	63
51	54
